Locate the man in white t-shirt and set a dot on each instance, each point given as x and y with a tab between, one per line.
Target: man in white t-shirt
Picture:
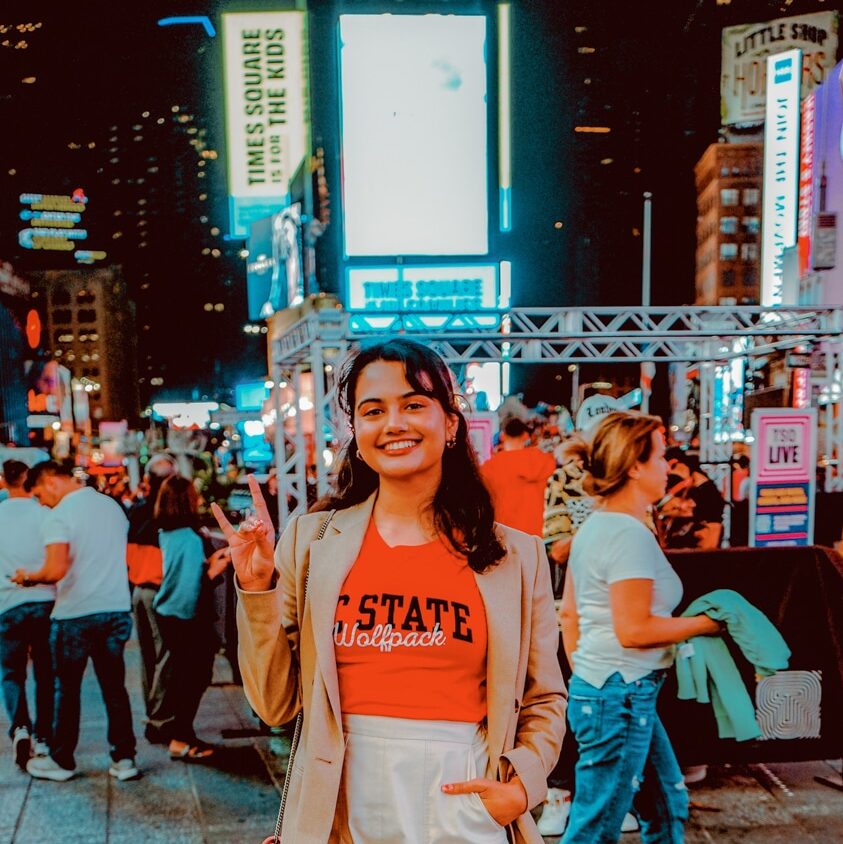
85	540
24	618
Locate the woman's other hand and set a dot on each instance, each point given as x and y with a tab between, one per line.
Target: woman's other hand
504	801
252	545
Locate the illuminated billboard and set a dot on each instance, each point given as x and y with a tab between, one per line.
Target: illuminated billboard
414	134
471	291
781	171
55	223
266	107
827	195
274	274
745	48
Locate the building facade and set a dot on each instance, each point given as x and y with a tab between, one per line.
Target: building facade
90	330
728	257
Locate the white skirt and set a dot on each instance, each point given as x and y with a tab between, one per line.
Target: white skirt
393	775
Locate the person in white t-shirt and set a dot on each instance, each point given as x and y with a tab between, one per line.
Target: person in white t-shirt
619	634
85	539
24	618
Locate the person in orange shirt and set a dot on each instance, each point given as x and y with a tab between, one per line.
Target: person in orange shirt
423	657
517	478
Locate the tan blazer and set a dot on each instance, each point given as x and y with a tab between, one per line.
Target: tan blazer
287	660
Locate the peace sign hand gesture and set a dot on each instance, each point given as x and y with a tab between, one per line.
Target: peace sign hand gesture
252	545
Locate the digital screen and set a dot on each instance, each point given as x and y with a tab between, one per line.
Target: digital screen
781	172
274	275
414	134
251	396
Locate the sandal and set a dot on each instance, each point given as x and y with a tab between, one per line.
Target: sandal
183	750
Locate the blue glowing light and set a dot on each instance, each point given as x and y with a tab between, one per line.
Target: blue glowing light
204	20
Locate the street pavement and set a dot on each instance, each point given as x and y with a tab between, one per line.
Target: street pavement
234	798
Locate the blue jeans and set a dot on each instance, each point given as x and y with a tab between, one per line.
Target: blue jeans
625	759
101	637
25	631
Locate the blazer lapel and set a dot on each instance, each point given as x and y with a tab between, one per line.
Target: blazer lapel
500	589
331	560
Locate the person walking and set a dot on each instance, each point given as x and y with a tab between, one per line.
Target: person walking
85	538
184	611
423	654
618	634
24	619
143	557
516	477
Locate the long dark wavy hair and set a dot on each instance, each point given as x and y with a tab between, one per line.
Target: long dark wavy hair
462	507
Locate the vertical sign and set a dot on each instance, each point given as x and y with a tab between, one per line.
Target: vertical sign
781	170
266	108
806	183
783	473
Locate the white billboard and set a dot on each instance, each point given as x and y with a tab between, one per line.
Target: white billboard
266	107
414	134
743	76
781	171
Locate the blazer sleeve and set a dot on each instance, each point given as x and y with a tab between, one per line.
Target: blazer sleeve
268	631
541	721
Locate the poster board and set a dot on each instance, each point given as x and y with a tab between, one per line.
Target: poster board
783	477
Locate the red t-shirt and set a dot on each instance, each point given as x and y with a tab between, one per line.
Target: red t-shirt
410	634
517	481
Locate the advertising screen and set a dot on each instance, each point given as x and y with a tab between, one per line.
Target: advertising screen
827	194
781	171
274	275
414	134
266	110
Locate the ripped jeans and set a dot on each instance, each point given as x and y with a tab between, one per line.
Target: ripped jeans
625	759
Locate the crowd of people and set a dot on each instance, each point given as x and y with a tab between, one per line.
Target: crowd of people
67	598
412	618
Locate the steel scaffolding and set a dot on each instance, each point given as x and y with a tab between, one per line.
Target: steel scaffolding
696	335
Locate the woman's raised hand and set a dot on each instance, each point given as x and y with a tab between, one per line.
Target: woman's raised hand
252	545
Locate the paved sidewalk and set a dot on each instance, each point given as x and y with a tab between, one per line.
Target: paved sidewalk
763	804
232	799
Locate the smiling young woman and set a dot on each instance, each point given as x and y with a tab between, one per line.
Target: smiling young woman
424	657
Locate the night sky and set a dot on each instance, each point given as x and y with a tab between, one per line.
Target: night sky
576	236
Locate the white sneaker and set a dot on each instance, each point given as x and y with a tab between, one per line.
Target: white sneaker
21	747
630	823
40	748
694	773
124	769
44	768
557	807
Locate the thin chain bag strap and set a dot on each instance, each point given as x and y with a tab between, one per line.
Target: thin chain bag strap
276	836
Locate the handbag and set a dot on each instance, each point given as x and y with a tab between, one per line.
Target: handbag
275	838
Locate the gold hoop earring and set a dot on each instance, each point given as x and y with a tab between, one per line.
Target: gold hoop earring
451	443
358	455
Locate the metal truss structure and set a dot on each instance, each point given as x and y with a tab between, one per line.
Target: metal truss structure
703	336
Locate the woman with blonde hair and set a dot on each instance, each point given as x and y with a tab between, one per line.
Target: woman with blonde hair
619	636
416	635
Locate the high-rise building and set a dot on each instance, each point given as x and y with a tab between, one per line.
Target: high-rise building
90	330
728	179
136	125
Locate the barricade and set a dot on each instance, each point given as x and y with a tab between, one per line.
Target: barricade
801	710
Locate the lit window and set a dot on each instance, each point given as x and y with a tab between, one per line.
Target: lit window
728	251
751	196
749	251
